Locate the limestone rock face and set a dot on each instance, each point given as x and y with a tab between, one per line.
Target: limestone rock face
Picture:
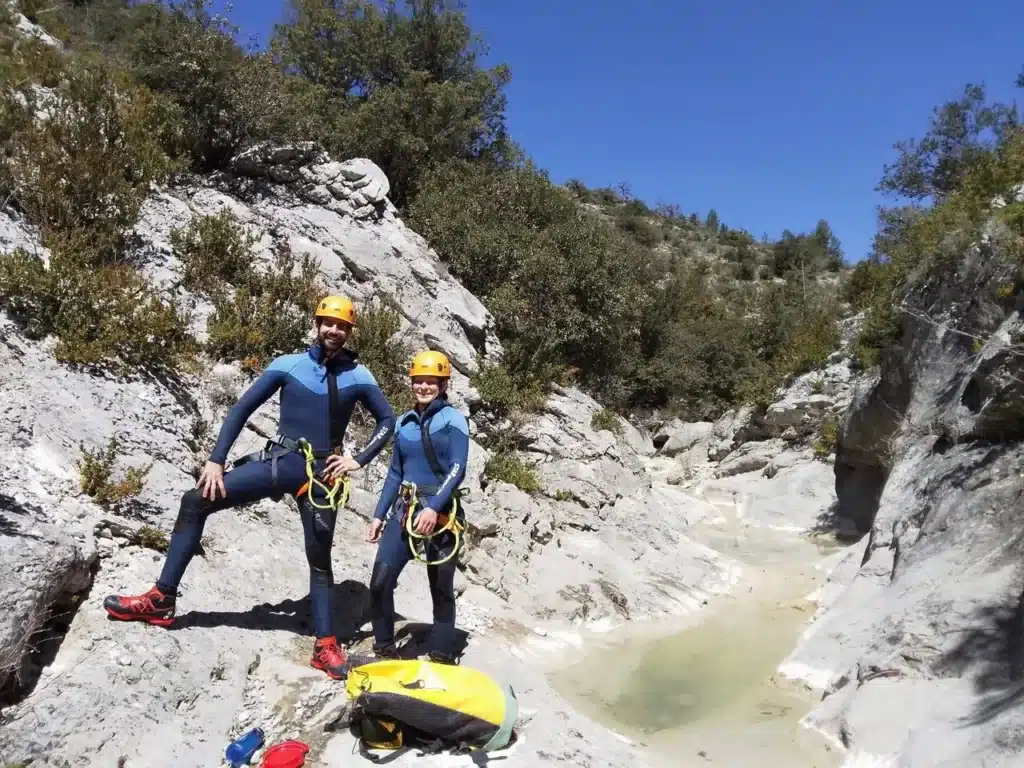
920	638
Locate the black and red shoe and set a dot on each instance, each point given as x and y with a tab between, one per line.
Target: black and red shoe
330	657
153	607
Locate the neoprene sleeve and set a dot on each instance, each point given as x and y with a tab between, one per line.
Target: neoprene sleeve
393	481
384	418
458	446
260	391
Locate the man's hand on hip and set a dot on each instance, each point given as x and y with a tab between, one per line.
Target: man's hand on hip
337	467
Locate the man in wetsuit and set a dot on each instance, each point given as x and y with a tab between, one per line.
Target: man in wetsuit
319	389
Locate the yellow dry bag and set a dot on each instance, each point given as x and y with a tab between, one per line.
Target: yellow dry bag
434	707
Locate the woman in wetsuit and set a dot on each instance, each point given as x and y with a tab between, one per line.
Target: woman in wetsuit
431	450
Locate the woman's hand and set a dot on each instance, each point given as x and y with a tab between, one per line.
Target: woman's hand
425	521
373	530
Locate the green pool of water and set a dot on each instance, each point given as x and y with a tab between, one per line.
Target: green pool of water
711	689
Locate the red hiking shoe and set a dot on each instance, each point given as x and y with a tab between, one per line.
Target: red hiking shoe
329	657
153	607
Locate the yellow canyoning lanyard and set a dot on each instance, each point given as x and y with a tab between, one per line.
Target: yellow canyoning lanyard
418	541
343	484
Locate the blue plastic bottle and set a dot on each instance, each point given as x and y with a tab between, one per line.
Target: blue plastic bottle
241	749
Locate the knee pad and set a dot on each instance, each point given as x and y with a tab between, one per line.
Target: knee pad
191	510
380	578
321	577
318	556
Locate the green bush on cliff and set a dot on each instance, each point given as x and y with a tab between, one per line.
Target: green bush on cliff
506	467
96	470
383	350
268	312
972	152
80	176
214	251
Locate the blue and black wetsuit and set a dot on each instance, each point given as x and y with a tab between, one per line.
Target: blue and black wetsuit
449	435
317	401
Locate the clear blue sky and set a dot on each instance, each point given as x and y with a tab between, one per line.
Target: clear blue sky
773	112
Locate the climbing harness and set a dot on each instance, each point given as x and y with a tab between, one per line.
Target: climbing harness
343	484
450	522
410	495
279	446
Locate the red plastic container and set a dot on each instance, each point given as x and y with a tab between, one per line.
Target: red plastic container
287	754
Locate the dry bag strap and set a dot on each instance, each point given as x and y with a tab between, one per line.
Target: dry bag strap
501	737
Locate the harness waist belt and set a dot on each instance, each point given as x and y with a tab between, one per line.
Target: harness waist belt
275	448
293	446
426	491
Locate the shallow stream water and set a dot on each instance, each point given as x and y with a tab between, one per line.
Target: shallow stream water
708	694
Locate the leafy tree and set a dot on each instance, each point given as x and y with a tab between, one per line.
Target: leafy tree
807	255
827	246
559	280
405	83
961	135
226	99
972	152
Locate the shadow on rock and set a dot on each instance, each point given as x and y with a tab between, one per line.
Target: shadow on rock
12	515
351	600
10	527
994	651
419	640
830	523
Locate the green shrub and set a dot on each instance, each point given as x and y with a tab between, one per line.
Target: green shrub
506	467
560	282
96	469
82	174
1012	216
214	251
813	341
259	312
825	444
31	8
505	393
152	538
606	419
269	313
639	227
382	350
102	316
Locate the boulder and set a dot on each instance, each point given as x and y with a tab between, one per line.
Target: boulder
685	437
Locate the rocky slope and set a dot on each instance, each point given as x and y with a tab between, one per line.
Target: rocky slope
601	544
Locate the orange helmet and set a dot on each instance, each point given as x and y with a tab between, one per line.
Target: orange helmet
430	363
337	307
